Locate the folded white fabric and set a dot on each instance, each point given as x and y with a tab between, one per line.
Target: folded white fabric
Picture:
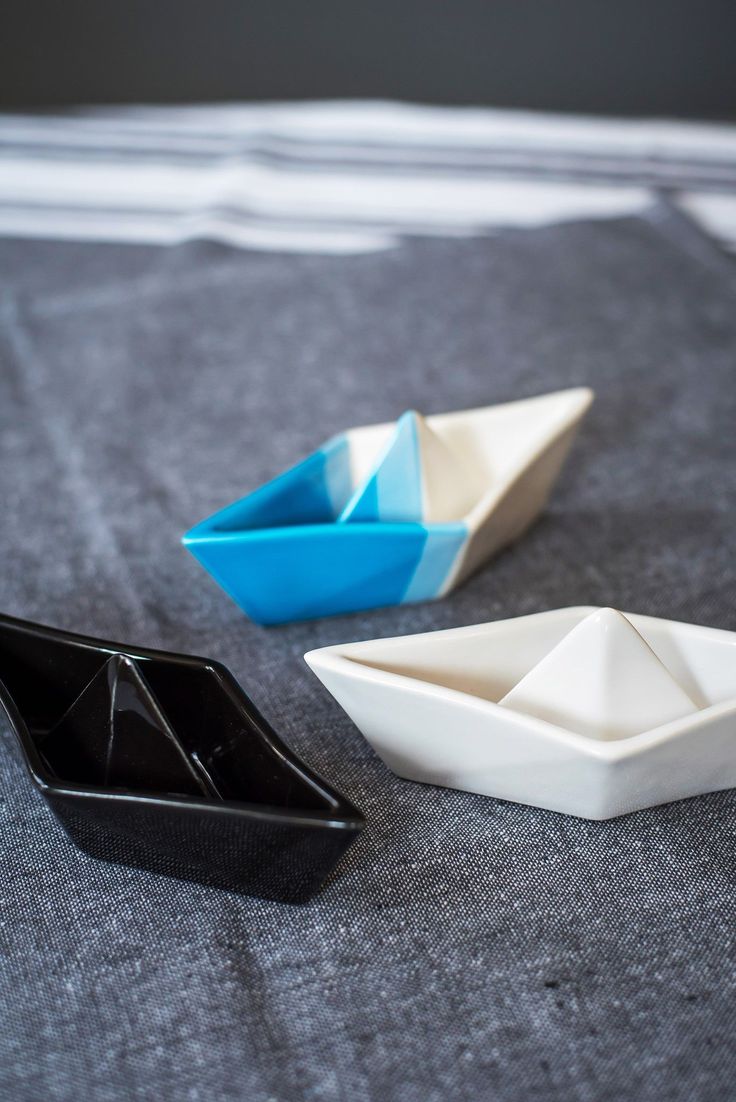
347	177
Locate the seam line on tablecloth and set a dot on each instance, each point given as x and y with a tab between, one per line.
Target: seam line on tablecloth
88	508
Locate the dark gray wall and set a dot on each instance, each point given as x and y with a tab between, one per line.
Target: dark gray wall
673	57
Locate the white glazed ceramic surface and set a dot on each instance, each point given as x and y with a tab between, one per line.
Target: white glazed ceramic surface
585	711
511	456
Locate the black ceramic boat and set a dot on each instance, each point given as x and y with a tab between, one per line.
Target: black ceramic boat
161	760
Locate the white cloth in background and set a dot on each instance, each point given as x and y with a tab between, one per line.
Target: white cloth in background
347	177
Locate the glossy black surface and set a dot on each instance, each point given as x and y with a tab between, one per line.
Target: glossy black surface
161	761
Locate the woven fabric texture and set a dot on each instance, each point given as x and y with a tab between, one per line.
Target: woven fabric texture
465	948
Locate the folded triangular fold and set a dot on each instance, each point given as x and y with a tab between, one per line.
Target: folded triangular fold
417	478
115	735
602	680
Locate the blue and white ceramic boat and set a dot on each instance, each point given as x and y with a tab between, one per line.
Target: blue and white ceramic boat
392	513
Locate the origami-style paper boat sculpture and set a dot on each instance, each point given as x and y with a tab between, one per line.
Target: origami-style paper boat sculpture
584	711
161	761
390	513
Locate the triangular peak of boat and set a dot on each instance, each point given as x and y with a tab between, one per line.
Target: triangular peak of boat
603	680
416	478
496	441
116	736
489	660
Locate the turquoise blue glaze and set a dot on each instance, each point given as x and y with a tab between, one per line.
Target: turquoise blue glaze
443	544
281	553
312	492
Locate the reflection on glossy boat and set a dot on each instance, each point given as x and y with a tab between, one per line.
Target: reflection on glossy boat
160	760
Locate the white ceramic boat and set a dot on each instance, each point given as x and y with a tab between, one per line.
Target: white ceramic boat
585	711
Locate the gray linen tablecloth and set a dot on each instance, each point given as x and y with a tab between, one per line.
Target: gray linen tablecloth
466	948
